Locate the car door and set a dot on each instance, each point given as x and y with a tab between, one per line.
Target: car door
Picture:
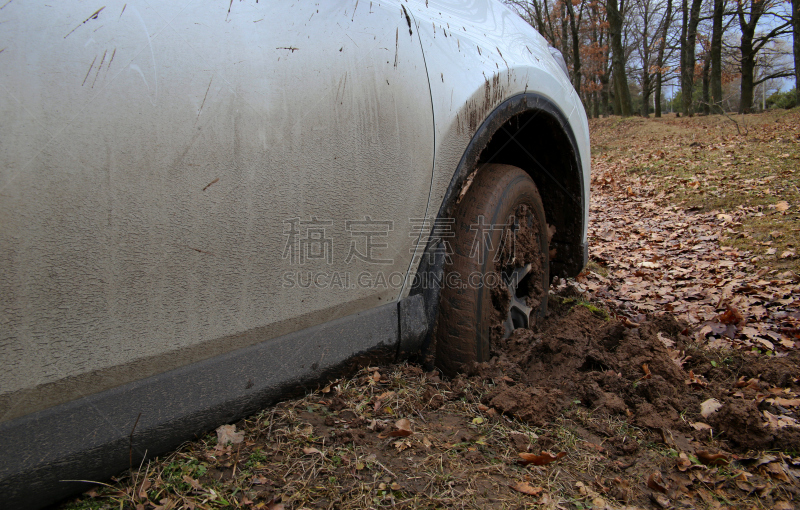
181	179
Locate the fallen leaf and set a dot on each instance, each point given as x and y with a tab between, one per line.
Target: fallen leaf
776	471
226	434
526	488
747	486
401	445
146	484
730	316
311	451
656	482
782	206
381	399
540	460
709	407
661	500
621	489
275	504
165	504
667	341
403	429
765	459
191	481
696	381
785	402
629	323
779	422
329	387
753	384
683	462
713	459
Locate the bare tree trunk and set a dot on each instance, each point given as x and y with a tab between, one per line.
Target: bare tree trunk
657	93
706	84
564	31
748	28
646	53
662	46
622	94
688	40
716	54
616	99
605	91
796	44
574	26
748	72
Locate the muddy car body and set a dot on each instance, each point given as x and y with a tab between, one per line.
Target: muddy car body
205	204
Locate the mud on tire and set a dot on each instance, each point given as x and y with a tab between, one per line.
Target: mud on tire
502	208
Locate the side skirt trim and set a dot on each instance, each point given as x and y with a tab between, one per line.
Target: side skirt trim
88	438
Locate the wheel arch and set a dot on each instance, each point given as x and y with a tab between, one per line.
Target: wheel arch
531	132
540	140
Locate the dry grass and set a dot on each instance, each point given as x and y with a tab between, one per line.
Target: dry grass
704	163
305	454
331	450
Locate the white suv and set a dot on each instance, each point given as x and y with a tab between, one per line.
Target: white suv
206	203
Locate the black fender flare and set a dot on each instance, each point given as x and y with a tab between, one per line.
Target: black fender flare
426	286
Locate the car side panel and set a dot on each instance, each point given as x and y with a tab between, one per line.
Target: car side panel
153	158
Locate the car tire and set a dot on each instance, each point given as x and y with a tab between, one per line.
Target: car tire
475	311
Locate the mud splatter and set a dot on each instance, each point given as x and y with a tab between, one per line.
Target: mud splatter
89	71
93	16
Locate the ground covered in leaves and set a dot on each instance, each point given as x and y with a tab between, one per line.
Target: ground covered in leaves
699	217
665	376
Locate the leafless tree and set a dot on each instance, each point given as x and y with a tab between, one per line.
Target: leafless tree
653	20
749	13
796	47
689	22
